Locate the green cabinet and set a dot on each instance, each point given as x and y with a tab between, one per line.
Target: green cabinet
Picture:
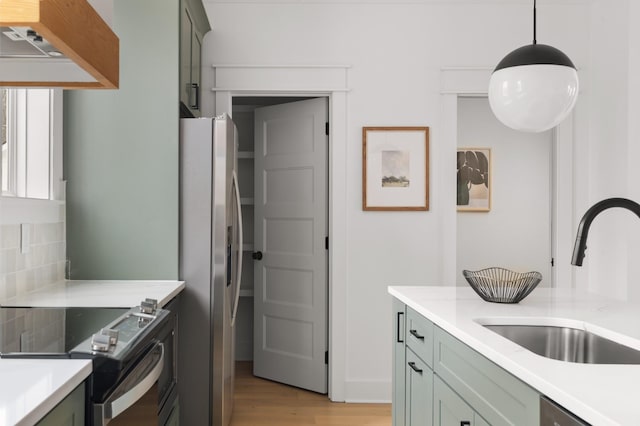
419	391
450	409
438	380
412	374
499	397
174	417
398	363
191	34
69	412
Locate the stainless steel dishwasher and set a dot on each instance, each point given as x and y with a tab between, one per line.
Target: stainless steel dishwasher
551	414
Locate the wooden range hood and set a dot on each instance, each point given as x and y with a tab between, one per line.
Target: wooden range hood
76	30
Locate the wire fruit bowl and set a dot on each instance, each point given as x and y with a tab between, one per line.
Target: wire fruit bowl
501	285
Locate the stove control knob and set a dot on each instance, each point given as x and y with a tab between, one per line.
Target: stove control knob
148	306
100	342
113	335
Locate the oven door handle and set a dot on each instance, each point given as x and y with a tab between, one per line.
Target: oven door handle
133	392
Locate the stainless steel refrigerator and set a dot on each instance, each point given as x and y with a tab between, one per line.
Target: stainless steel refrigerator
211	265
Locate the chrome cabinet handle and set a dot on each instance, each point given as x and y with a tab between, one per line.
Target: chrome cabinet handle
415	334
414	367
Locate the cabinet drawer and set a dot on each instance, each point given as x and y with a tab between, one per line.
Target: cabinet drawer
495	394
419	336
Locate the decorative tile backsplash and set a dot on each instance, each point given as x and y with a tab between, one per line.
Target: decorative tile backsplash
41	265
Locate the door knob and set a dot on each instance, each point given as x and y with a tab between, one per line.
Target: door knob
257	255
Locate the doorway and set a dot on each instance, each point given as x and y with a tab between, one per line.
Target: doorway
282	321
515	232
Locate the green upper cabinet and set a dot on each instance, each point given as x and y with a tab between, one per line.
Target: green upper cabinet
192	31
121	150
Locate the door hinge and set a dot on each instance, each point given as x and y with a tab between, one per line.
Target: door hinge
326	357
326	243
326	128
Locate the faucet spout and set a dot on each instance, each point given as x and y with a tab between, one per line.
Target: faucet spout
583	229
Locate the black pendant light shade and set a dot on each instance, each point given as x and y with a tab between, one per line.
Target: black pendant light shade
532	54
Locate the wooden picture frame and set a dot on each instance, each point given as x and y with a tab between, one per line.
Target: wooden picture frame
473	180
395	168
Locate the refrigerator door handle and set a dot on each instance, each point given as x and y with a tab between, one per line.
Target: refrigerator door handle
240	248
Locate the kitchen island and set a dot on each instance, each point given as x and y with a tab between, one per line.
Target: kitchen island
30	388
600	394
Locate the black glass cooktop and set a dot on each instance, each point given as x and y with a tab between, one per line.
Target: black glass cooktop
50	330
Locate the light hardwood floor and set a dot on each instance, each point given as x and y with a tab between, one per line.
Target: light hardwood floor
259	402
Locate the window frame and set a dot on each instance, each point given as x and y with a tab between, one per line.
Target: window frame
17	138
34	210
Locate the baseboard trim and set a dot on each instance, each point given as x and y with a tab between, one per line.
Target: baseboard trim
368	392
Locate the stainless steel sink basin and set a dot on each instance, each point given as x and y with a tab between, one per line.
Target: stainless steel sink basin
567	344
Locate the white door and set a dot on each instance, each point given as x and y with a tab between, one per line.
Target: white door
290	280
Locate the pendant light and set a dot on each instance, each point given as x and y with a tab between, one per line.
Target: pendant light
534	87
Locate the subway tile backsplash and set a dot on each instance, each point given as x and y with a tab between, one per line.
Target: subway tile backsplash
41	265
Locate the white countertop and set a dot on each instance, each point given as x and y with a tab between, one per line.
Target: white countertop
98	293
600	394
29	389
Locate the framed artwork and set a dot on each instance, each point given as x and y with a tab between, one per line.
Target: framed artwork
474	179
395	168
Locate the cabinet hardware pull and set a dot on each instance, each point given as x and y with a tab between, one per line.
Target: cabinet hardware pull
398	335
415	334
195	88
413	366
465	423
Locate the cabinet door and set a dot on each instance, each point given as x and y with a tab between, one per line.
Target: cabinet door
418	391
499	397
174	417
449	408
399	363
69	412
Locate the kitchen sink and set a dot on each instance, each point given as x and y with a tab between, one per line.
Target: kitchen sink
567	344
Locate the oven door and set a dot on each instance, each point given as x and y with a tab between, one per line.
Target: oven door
135	400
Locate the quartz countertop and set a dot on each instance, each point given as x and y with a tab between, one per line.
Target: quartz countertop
98	293
30	388
600	394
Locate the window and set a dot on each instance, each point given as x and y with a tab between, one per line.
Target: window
27	143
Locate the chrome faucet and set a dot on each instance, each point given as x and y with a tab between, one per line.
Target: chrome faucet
583	229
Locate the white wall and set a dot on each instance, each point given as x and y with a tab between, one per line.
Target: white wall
396	50
515	234
608	148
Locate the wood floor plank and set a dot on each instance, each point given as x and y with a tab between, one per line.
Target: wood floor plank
259	402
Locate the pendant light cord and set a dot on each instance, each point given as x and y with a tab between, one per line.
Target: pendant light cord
534	23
